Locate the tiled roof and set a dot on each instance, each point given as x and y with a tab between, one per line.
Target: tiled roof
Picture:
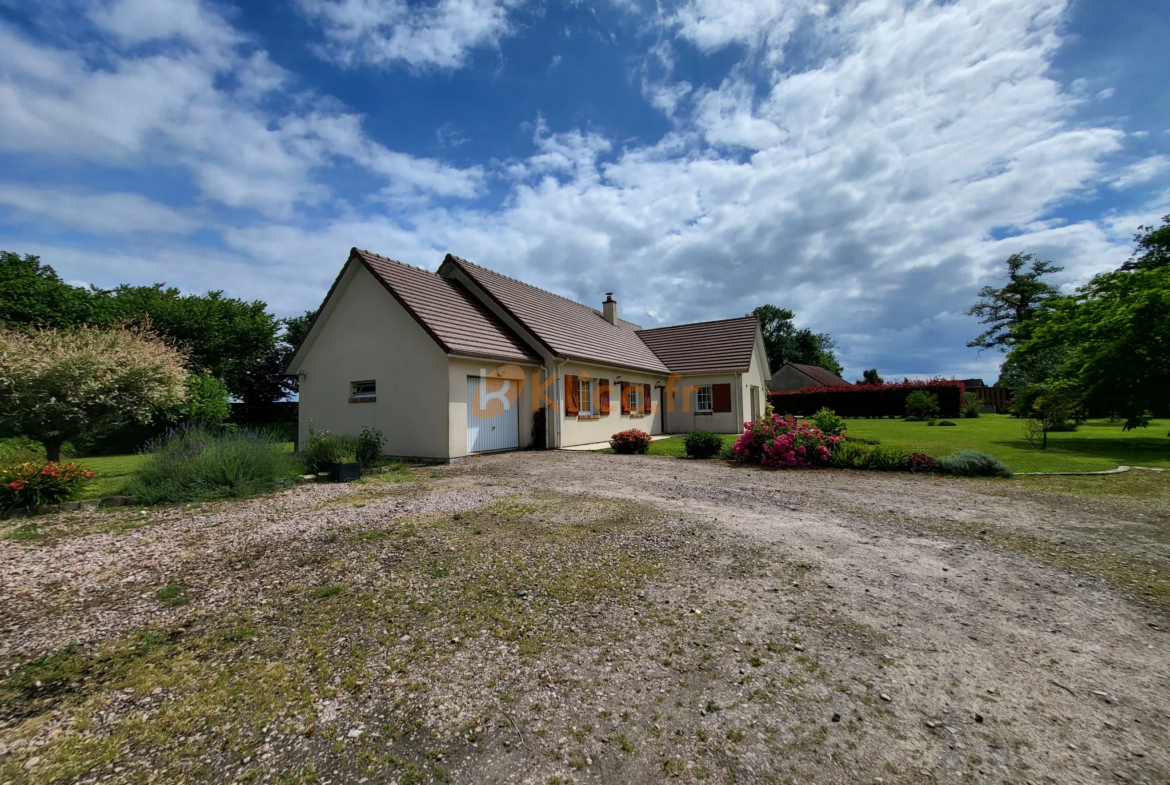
724	345
565	327
820	375
446	310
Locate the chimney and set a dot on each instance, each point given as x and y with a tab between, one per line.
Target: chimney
609	308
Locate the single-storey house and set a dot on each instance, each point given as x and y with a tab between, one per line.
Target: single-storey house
466	360
794	376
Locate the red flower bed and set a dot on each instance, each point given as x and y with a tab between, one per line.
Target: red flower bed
779	445
918	463
631	442
35	484
870	400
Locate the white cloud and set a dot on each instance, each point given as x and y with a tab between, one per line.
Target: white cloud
204	107
97	213
438	34
1144	171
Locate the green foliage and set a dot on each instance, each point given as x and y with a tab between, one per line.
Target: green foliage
871	377
972	405
866	457
785	343
207	400
921	405
18	449
1031	365
827	422
702	444
32	484
1152	248
1008	311
1117	333
32	295
56	386
324	448
970	463
1047	407
201	463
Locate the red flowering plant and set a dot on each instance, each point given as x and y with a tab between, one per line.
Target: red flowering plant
631	442
36	484
780	445
918	463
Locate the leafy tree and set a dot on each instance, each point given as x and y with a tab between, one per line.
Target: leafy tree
1153	247
921	405
33	295
58	385
1008	311
1047	407
871	377
785	343
1024	368
231	339
1116	331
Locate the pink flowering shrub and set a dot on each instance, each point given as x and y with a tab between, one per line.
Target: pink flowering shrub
780	445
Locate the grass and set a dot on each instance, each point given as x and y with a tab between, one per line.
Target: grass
1098	445
113	472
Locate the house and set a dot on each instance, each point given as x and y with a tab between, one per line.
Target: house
465	360
794	376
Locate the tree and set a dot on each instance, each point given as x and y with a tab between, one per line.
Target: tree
33	295
1024	368
1046	407
231	339
1116	331
871	377
1008	311
58	385
1153	247
785	343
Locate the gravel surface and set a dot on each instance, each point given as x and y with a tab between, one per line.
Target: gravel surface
570	617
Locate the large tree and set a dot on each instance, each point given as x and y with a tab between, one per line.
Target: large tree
1153	247
33	295
1008	310
58	385
785	343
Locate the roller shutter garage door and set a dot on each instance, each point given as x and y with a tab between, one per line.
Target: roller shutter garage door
493	414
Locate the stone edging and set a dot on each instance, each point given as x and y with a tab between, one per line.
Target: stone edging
1118	470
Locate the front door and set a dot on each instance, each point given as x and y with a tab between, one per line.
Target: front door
755	403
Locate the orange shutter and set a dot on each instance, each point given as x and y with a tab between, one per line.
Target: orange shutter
647	405
603	395
572	395
625	397
721	397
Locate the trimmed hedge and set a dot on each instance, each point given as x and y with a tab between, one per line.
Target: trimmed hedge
871	400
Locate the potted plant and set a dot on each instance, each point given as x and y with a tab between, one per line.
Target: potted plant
346	468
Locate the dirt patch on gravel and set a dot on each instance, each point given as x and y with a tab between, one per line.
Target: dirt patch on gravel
573	617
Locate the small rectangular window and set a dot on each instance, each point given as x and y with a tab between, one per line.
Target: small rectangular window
635	396
703	399
586	396
362	391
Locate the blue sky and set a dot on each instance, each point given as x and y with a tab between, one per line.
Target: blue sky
867	163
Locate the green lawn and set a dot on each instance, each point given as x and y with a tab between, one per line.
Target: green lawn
1097	445
113	471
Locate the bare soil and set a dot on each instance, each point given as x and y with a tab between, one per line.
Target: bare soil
570	617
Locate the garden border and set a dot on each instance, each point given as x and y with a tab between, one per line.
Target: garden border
1118	470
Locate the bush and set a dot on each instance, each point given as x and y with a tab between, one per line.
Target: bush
972	405
702	444
631	442
918	463
873	458
369	446
324	448
945	424
970	463
871	400
921	405
826	421
779	445
36	483
202	463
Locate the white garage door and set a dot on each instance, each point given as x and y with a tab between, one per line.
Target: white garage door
493	414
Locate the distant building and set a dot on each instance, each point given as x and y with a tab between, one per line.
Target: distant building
794	376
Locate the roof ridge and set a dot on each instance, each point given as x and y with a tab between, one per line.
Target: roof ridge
525	283
395	261
696	324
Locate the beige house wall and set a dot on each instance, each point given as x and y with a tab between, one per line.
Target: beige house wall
588	431
365	334
682	417
458	372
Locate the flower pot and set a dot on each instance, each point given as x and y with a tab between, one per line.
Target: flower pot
345	472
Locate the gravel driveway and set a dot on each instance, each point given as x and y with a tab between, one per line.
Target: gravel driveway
570	617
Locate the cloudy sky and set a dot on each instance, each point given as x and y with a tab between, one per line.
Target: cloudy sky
867	163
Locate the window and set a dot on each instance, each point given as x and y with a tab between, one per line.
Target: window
703	399
362	391
586	396
635	398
